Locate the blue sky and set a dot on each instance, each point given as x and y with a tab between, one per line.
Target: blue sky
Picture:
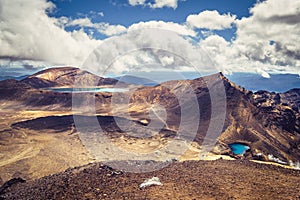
229	36
120	12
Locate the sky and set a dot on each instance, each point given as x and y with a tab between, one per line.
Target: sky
123	36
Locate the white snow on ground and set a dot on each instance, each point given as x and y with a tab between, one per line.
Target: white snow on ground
150	182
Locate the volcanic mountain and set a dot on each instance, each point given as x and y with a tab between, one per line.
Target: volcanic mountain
39	135
32	90
66	77
269	123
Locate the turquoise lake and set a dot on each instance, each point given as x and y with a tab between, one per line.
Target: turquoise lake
82	90
238	148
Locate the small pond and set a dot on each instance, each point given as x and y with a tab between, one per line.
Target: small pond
238	148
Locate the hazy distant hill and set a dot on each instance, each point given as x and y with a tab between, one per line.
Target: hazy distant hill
13	77
276	82
136	80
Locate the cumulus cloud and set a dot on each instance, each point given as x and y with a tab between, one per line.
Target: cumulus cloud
148	50
101	14
102	27
136	2
164	3
21	67
167	60
211	20
110	30
82	22
271	35
171	26
266	42
155	4
263	73
27	32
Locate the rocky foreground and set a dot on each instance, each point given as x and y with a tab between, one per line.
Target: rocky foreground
218	179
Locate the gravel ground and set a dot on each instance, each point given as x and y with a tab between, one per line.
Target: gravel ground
220	179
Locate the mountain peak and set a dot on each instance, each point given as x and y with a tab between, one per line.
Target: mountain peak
52	74
66	77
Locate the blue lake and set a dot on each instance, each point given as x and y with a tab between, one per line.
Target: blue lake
82	90
238	148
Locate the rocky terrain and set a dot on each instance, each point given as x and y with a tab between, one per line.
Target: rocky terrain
38	137
218	179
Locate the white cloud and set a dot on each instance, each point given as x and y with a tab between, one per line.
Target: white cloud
148	50
211	20
263	73
27	32
102	27
171	26
164	3
271	35
167	60
101	14
155	4
270	8
110	30
136	2
62	21
82	22
267	41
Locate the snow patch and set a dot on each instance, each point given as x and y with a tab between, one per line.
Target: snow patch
274	159
150	182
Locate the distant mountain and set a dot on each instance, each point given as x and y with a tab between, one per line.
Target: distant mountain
66	77
136	80
276	82
13	77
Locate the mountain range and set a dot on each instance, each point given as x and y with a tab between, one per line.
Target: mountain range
266	122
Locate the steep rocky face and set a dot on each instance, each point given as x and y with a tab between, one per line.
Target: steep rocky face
282	109
267	122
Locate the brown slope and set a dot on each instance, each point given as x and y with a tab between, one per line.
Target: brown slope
188	180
